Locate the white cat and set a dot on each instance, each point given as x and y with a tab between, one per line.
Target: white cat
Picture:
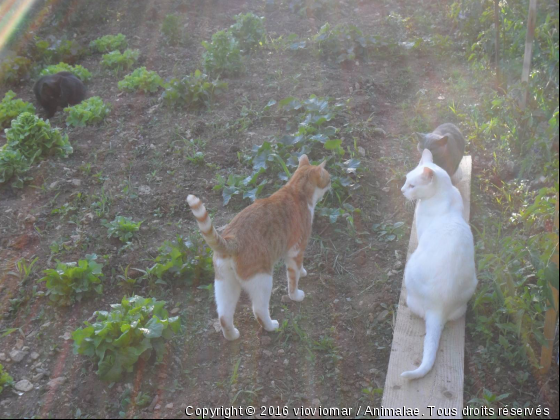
440	275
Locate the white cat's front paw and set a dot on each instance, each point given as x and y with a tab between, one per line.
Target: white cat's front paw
298	295
303	272
273	325
231	335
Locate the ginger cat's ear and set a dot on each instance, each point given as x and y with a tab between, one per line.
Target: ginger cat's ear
323	164
303	161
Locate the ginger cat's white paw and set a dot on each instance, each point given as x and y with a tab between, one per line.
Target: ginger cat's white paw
231	336
298	295
303	272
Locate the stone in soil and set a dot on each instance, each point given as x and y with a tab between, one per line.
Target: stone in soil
24	386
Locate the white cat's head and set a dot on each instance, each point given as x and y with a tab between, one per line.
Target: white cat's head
421	182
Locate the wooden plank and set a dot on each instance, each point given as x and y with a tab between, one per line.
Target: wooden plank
442	387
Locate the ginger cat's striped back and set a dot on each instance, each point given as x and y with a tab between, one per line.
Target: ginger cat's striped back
269	229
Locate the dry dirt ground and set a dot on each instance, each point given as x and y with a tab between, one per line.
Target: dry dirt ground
335	348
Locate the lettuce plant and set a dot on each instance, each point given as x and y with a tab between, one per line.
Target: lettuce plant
80	72
87	112
10	108
109	43
70	282
135	328
142	80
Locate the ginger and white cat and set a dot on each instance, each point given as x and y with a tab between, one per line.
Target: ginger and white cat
440	275
269	229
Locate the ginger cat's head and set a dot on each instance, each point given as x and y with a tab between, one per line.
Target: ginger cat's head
313	180
421	182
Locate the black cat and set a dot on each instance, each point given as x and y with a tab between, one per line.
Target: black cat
60	89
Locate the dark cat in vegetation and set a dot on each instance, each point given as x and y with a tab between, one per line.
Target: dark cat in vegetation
60	89
447	145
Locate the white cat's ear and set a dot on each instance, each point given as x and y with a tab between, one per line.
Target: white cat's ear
428	173
303	160
427	156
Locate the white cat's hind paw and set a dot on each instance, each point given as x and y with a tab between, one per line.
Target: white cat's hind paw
231	335
274	325
298	295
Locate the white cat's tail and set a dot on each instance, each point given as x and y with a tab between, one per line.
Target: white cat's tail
434	327
211	236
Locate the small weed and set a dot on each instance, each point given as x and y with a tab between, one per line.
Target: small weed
122	227
387	232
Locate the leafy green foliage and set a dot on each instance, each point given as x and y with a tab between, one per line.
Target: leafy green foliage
33	137
70	282
222	55
308	131
248	30
194	90
119	62
109	43
13	68
5	379
143	80
10	108
80	72
63	50
132	329
89	111
185	259
171	30
13	165
388	232
122	228
247	186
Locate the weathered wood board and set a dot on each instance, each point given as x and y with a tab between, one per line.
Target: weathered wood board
442	387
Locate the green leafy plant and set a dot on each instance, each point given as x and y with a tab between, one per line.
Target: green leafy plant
117	61
122	227
171	30
13	166
89	111
10	108
132	329
143	80
194	90
185	259
33	137
247	186
5	379
70	282
64	50
80	72
222	55
248	30
109	43
388	232
13	68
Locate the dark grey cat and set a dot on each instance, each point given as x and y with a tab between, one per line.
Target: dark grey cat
60	89
447	144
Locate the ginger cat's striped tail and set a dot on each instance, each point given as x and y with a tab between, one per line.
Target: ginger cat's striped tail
211	236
